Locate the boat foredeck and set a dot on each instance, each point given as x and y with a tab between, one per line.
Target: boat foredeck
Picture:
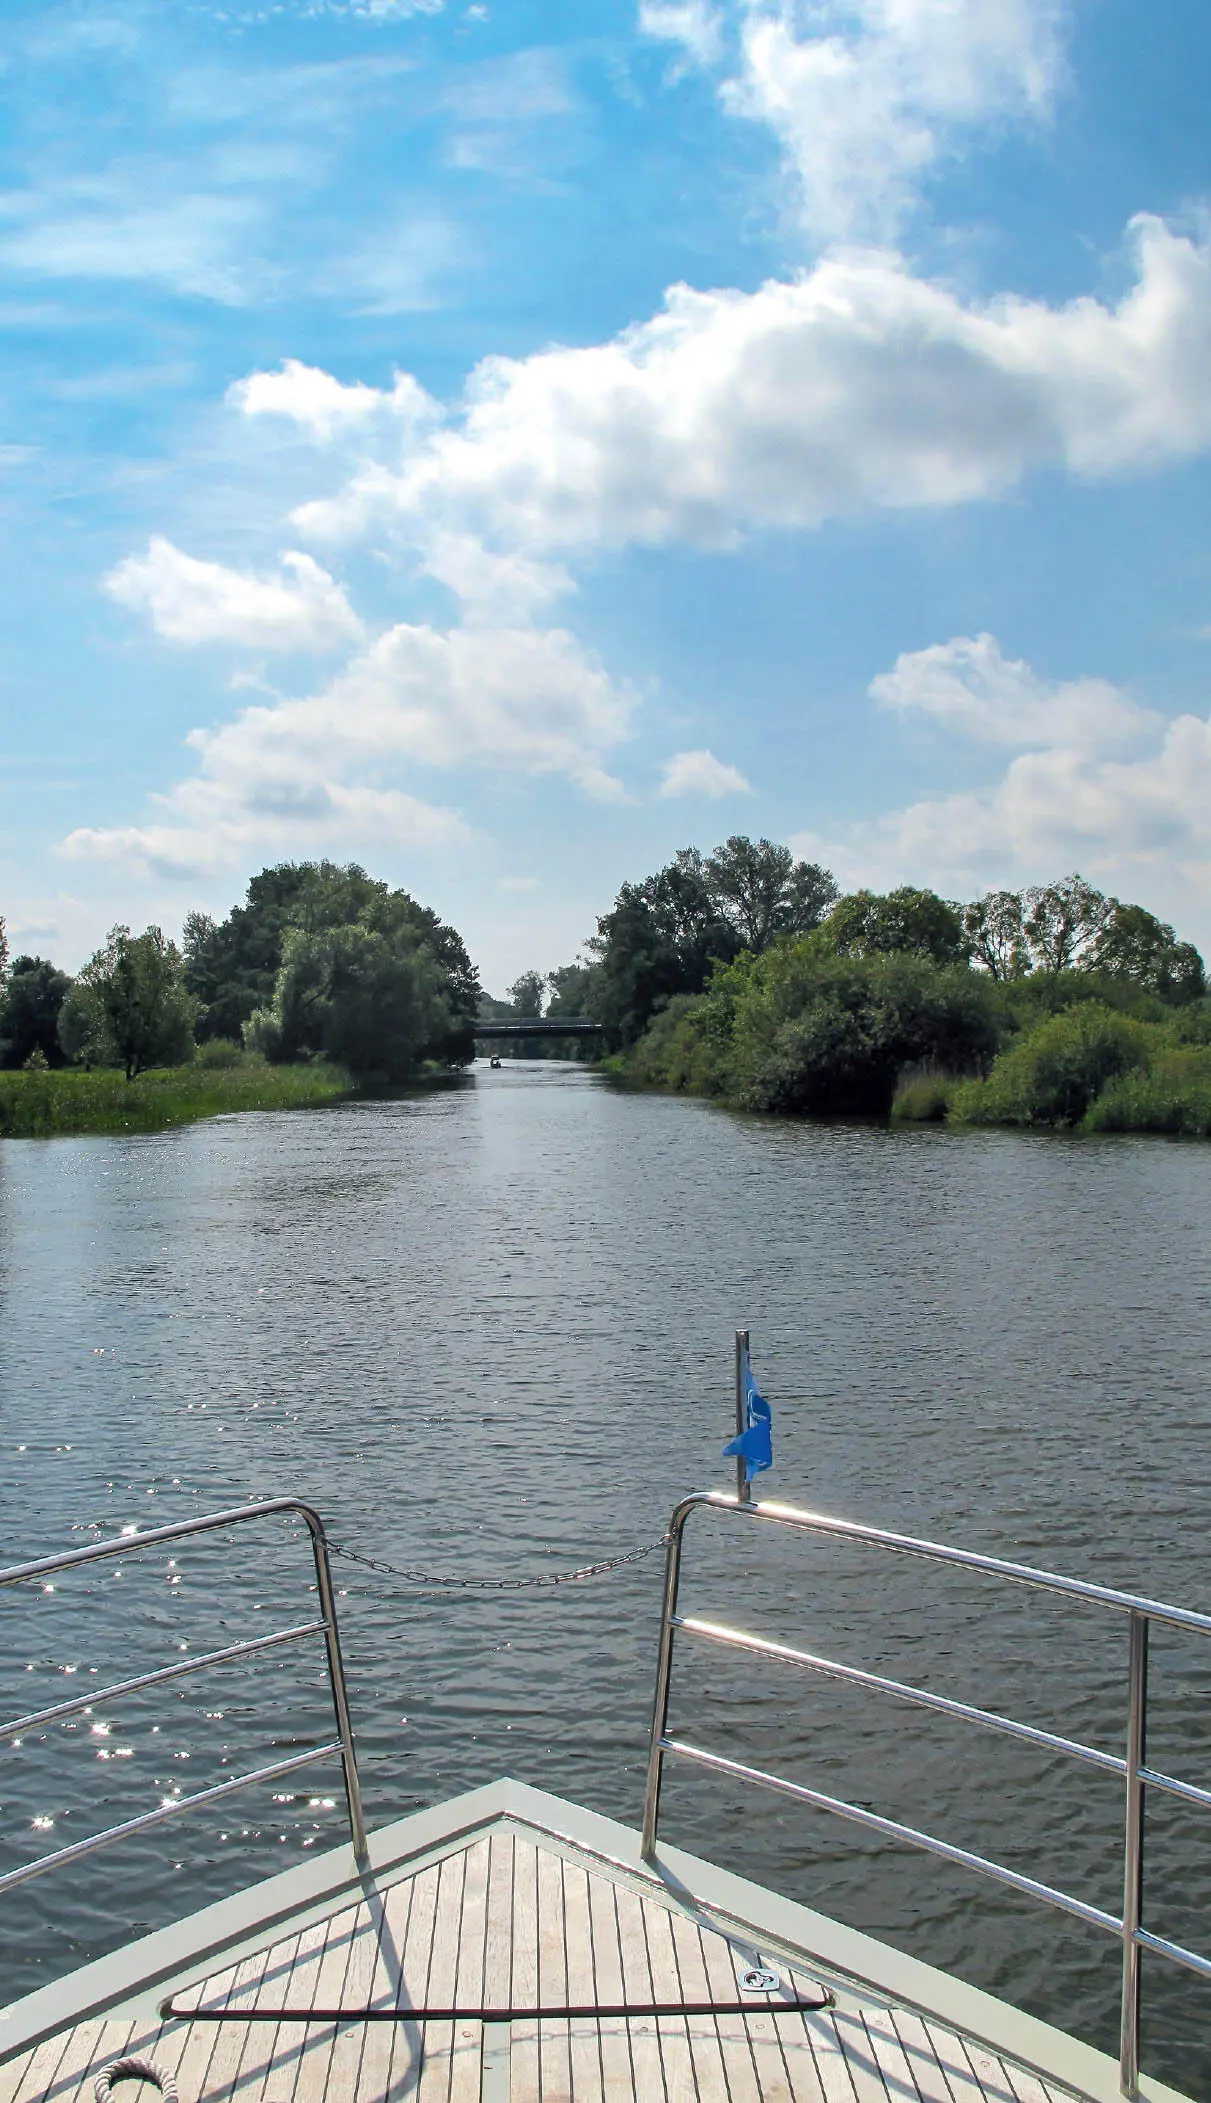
511	1963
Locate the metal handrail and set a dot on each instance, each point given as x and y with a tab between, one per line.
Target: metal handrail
1137	1776
342	1745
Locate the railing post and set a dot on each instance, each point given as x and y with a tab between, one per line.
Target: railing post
340	1698
744	1488
1133	1855
660	1705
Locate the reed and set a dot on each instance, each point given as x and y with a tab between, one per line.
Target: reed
923	1098
68	1102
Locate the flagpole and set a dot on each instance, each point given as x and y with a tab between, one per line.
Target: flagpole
744	1490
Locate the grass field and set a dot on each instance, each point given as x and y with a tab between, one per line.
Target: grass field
57	1104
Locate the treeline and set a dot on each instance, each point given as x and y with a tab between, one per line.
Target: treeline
745	975
319	962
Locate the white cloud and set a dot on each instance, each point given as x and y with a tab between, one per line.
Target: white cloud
855	385
189	601
323	768
326	407
493	588
694	24
865	98
1139	825
967	685
701	774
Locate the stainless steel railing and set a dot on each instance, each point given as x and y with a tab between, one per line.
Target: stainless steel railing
1137	1776
342	1746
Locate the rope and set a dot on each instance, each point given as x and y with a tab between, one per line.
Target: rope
499	1584
135	2068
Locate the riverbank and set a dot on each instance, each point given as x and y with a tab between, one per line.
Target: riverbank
69	1103
801	1031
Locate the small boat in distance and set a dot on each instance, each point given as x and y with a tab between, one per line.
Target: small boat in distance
511	1946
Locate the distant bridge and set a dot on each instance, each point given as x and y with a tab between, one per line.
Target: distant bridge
538	1028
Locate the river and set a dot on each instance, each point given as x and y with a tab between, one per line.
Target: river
487	1330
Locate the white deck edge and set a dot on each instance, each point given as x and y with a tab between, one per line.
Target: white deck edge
137	1978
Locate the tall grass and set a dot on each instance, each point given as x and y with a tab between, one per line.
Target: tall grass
923	1098
49	1105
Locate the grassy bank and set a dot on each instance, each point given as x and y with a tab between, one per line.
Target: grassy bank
49	1105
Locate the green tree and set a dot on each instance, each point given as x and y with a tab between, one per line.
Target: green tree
995	928
1063	922
3	952
906	922
527	994
29	1012
232	965
370	1000
665	935
569	987
1133	944
130	1006
763	891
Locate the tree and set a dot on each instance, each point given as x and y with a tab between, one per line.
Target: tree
897	923
569	986
995	927
527	994
29	1012
232	965
371	999
665	935
763	891
1063	921
130	1006
3	951
1133	944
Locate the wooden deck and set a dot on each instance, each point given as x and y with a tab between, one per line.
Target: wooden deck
510	1971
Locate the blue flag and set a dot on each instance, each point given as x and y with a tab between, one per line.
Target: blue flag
755	1444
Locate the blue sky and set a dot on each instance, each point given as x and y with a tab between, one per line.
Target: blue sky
504	443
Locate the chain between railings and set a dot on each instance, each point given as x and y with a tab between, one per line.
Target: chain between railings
448	1582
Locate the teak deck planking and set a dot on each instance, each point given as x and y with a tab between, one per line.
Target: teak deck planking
601	1993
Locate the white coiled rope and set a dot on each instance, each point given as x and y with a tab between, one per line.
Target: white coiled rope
135	2068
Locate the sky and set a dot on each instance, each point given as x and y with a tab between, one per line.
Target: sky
504	443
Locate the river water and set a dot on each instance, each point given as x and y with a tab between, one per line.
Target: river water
487	1330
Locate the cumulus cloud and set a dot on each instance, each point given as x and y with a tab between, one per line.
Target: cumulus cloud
189	601
967	685
855	385
325	407
492	587
701	774
866	98
693	24
1138	823
323	768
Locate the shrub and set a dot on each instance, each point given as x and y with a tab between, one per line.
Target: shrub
803	1030
1055	1071
830	1035
1173	1096
217	1054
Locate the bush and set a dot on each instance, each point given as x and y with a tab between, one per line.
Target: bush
802	1030
1052	1074
218	1054
1173	1096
